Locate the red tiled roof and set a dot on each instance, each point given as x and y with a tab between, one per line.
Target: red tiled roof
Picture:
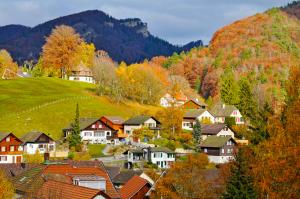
69	170
55	189
134	185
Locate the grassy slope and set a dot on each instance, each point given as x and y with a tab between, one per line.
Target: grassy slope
48	105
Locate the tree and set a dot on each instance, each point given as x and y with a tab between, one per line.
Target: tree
230	121
197	134
8	68
87	54
75	138
247	105
240	183
229	88
7	190
185	180
36	158
62	49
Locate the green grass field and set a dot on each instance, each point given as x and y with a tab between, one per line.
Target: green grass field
48	105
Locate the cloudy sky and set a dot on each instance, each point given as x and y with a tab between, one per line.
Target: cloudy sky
178	21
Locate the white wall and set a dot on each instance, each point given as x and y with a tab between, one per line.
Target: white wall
237	115
11	159
150	122
128	129
31	148
205	114
219	159
82	79
162	156
90	136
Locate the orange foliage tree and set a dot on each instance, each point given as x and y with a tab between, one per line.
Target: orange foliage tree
8	68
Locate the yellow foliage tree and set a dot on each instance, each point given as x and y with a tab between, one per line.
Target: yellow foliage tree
87	54
7	190
36	158
63	49
8	68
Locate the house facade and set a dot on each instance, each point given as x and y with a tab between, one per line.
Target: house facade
82	74
115	123
220	149
222	111
216	130
11	149
191	115
37	141
94	131
139	122
161	156
168	100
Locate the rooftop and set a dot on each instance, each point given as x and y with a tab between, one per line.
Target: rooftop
125	176
212	129
134	185
32	136
223	110
139	120
193	113
115	119
215	141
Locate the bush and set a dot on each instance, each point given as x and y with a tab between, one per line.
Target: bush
35	158
150	165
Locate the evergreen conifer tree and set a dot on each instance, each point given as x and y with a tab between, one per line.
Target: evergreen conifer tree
228	88
75	138
197	134
240	183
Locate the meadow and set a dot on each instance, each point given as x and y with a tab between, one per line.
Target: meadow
48	105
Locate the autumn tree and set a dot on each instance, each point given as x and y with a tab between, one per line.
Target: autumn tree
7	190
144	134
185	180
87	54
62	49
8	68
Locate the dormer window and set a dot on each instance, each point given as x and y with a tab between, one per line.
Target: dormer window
7	139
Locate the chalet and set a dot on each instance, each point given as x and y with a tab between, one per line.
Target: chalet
135	188
37	141
168	100
194	104
82	73
11	149
190	116
93	130
161	156
222	111
139	122
216	130
115	123
220	149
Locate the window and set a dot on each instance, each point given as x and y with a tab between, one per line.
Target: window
87	133
229	143
7	139
12	148
51	148
76	182
108	133
154	155
161	154
3	149
20	148
223	151
229	151
205	150
99	134
128	132
3	158
93	126
41	146
158	163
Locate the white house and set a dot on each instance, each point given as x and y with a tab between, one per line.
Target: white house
82	73
94	131
139	122
161	156
37	141
221	111
190	116
168	100
219	149
216	130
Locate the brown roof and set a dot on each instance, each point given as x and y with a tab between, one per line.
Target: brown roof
15	169
133	186
198	102
193	113
113	171
212	129
33	136
124	176
55	189
82	70
223	110
216	141
115	119
71	170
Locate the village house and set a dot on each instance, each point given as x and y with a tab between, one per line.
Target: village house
190	116
94	131
222	111
115	123
220	149
168	100
161	156
11	149
135	188
141	121
37	141
216	130
82	74
194	104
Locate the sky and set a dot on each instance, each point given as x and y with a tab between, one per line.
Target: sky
177	21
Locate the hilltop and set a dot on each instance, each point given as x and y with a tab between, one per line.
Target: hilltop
125	40
48	105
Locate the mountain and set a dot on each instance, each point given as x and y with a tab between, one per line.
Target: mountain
125	40
261	48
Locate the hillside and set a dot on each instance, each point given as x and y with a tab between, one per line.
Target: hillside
48	104
261	47
125	40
